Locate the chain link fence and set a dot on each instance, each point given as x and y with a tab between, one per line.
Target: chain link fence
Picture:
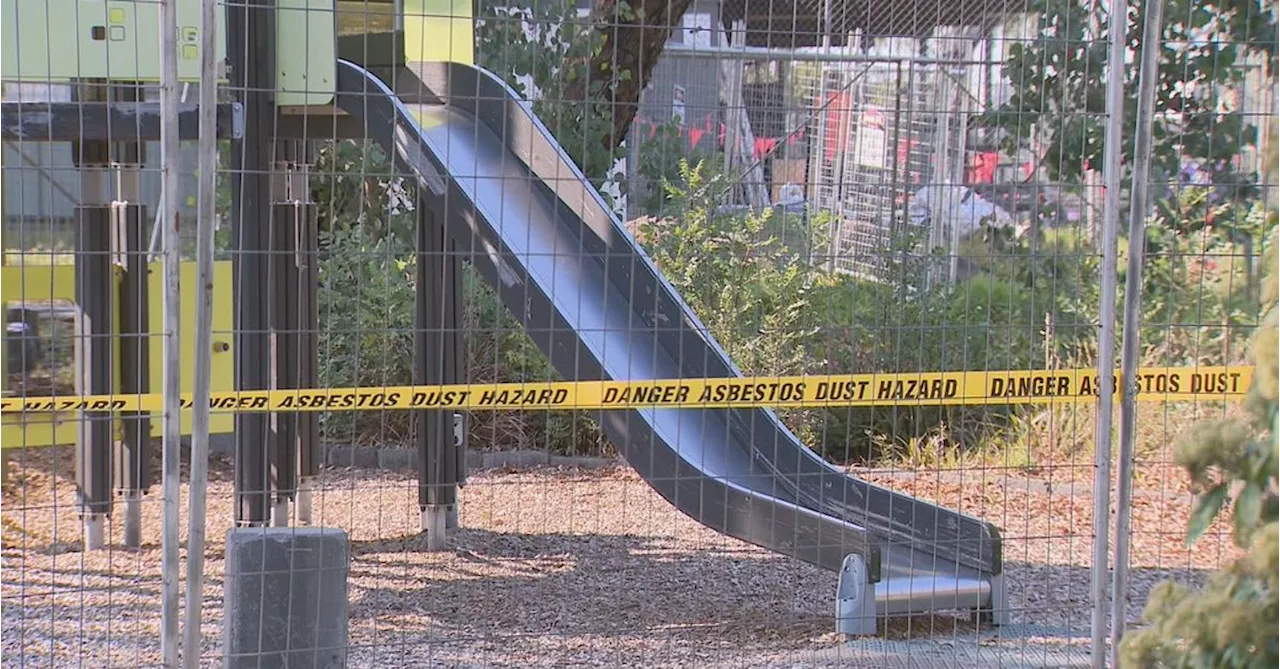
925	232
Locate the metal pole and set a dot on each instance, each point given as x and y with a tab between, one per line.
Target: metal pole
4	252
94	335
826	26
822	53
290	211
307	337
131	466
437	491
132	462
942	176
169	582
1139	185
1117	39
207	171
293	320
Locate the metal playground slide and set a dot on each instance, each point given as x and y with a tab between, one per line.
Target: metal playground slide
600	310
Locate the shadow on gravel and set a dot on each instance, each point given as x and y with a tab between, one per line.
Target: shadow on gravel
510	585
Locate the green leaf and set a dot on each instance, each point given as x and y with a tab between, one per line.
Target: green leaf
1248	510
1270	508
1207	507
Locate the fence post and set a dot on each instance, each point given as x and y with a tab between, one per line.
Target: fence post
207	168
1139	185
170	639
1117	32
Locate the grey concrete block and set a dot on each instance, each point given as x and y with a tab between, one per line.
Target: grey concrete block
285	599
364	457
516	459
338	456
219	443
582	461
224	444
395	458
480	460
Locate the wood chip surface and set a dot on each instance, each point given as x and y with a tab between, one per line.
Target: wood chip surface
564	568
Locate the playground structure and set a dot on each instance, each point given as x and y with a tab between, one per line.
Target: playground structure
492	189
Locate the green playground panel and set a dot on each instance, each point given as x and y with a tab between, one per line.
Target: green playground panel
306	52
117	40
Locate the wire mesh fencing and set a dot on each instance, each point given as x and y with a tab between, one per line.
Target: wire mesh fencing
651	333
858	138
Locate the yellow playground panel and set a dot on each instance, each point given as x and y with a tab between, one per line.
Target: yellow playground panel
433	30
48	283
439	30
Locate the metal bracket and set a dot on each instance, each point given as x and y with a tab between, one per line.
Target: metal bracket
460	443
998	614
855	598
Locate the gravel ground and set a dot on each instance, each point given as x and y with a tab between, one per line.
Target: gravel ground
559	567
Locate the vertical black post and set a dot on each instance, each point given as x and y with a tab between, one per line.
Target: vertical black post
4	344
132	454
303	301
284	357
293	218
94	338
135	359
454	367
251	45
307	287
283	430
435	363
284	374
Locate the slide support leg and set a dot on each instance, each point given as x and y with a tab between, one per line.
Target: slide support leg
855	599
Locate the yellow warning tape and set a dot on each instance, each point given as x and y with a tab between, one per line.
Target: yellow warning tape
1163	384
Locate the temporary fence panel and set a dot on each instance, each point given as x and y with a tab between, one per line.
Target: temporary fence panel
715	333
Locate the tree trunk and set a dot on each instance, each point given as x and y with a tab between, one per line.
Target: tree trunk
634	35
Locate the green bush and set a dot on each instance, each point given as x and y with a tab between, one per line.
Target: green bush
366	307
778	313
499	351
1231	621
366	303
1198	296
